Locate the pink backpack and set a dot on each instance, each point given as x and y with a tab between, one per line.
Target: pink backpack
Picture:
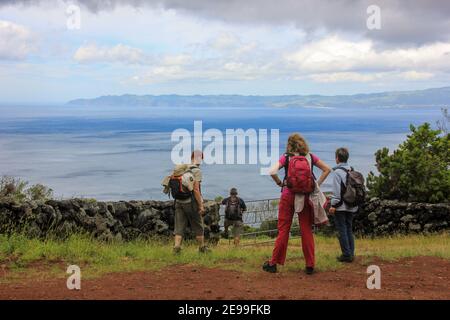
299	174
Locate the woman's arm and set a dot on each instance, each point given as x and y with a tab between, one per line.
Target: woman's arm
274	173
325	171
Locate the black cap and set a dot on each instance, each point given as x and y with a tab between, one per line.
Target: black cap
233	191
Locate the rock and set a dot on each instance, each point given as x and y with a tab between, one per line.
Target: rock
386	217
124	221
415	227
407	218
372	216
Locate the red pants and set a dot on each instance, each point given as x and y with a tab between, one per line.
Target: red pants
285	216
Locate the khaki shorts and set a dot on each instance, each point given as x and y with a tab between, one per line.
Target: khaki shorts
237	225
188	212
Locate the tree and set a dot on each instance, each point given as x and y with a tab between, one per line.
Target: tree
443	123
419	170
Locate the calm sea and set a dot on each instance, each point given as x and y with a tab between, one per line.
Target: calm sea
118	153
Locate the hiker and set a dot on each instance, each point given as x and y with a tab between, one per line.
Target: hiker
234	207
185	187
298	183
348	194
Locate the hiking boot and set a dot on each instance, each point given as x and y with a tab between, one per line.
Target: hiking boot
347	259
267	267
204	249
309	270
176	250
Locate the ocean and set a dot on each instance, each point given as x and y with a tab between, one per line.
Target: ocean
117	153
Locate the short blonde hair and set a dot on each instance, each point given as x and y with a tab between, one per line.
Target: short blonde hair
297	144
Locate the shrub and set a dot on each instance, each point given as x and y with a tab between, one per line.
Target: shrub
12	189
39	193
444	122
270	226
417	171
15	190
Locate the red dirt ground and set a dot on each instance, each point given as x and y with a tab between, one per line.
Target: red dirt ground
417	278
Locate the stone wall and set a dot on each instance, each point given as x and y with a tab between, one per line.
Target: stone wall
129	220
103	220
387	217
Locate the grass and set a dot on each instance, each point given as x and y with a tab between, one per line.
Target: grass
20	254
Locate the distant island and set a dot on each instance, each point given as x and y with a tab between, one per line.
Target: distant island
427	97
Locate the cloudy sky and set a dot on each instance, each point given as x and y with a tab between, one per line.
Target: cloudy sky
252	47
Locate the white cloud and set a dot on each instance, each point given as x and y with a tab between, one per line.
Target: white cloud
334	54
344	77
179	59
369	77
16	41
224	41
119	53
414	75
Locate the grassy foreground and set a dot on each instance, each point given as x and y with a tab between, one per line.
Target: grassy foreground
21	255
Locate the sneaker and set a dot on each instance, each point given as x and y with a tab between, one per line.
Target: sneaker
309	270
204	249
269	268
343	258
176	250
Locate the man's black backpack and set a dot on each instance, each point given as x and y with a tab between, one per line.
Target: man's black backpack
233	210
177	191
176	188
353	193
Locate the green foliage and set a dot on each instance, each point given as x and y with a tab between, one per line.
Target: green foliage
15	190
274	203
20	253
12	189
218	199
444	123
270	226
417	171
39	192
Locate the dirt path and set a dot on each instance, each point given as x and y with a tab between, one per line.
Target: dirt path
417	278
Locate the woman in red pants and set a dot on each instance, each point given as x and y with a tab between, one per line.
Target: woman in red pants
296	146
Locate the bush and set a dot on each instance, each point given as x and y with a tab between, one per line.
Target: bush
444	122
39	193
270	226
12	189
15	190
417	171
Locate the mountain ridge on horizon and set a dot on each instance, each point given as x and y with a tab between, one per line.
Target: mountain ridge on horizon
426	97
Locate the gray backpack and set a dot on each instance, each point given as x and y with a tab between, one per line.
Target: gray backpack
353	192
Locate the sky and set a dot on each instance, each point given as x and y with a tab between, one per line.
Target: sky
52	51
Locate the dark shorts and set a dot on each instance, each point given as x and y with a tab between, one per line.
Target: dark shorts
238	226
188	212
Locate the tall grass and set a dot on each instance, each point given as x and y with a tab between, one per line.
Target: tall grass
18	253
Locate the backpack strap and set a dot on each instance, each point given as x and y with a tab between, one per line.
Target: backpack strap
286	167
342	168
311	161
193	166
343	186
